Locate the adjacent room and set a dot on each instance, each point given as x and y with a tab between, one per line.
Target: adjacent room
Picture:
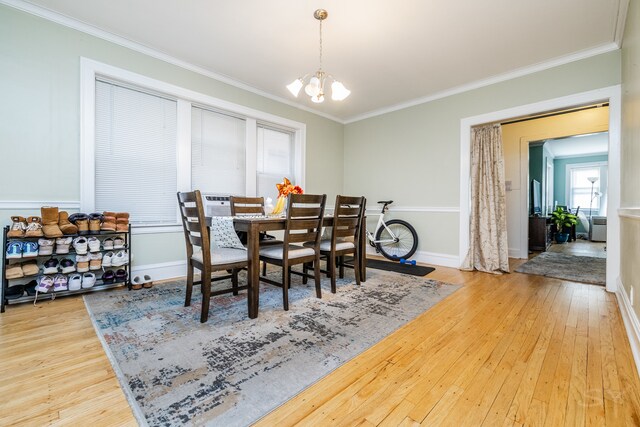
320	213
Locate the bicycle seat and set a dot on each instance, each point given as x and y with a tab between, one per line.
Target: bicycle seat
386	202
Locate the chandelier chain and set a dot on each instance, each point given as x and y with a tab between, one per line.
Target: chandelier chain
320	45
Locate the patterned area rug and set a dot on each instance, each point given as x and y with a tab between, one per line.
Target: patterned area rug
584	269
233	370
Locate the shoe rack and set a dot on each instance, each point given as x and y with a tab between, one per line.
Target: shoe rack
40	259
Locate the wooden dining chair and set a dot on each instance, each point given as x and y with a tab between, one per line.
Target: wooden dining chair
200	255
348	217
303	225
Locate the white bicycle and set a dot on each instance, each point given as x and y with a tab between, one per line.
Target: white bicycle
395	239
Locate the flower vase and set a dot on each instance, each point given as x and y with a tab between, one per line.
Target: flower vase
280	206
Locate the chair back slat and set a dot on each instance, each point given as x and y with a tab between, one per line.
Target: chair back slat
194	225
304	219
351	200
349	210
348	216
304	212
309	236
246	205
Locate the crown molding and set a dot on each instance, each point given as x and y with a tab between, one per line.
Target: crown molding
575	156
621	19
577	56
83	27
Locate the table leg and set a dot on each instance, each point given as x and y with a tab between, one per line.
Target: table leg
253	249
362	241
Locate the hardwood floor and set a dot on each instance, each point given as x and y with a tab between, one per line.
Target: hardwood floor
503	350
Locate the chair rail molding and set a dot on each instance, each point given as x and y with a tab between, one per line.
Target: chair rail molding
629	213
37	204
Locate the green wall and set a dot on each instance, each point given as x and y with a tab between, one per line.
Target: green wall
418	148
535	163
560	175
40	126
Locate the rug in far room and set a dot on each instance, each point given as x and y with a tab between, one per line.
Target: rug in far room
584	269
233	370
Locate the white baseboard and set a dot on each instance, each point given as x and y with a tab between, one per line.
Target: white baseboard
631	322
162	271
444	260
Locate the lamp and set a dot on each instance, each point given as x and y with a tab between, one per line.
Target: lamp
316	84
592	180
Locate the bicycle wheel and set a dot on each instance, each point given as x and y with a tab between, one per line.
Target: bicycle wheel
405	243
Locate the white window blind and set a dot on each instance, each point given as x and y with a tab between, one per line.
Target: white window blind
275	160
135	154
218	152
580	193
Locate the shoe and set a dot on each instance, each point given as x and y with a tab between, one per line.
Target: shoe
88	280
14	292
95	220
107	244
106	259
18	226
50	222
122	222
75	282
65	225
82	263
34	227
14	249
29	250
31	288
147	282
67	266
45	246
120	258
45	283
81	221
95	261
13	271
118	242
60	283
94	244
30	268
136	283
108	221
80	245
108	276
63	244
121	275
51	266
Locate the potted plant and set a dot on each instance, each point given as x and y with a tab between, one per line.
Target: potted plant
563	221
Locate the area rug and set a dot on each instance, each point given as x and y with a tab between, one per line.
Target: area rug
584	269
233	370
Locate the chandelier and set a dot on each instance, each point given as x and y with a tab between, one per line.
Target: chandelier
315	86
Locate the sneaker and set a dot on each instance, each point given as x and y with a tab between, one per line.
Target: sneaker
80	245
60	283
63	244
82	263
95	261
31	287
120	258
94	244
107	244
136	283
14	249
147	282
51	266
75	282
30	268
34	227
108	276
13	271
121	275
29	250
106	259
67	266
45	283
88	280
118	242
45	246
18	226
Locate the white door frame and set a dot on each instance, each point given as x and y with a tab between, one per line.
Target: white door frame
611	94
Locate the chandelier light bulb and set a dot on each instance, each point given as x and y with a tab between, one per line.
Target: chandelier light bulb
313	88
295	86
338	91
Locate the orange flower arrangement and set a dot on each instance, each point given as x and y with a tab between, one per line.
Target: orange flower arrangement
285	188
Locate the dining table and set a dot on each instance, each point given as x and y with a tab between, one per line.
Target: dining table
253	226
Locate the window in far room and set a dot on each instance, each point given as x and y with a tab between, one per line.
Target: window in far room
579	187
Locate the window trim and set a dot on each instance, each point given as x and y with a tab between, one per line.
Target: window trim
91	69
568	179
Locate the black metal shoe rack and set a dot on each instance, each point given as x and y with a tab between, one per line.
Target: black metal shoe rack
98	286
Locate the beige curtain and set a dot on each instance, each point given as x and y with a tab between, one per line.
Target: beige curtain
488	247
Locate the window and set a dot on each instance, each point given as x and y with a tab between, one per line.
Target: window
135	154
143	140
579	188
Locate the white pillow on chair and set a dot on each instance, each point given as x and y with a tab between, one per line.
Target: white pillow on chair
223	234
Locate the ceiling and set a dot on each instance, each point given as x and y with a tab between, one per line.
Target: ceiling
388	53
579	145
